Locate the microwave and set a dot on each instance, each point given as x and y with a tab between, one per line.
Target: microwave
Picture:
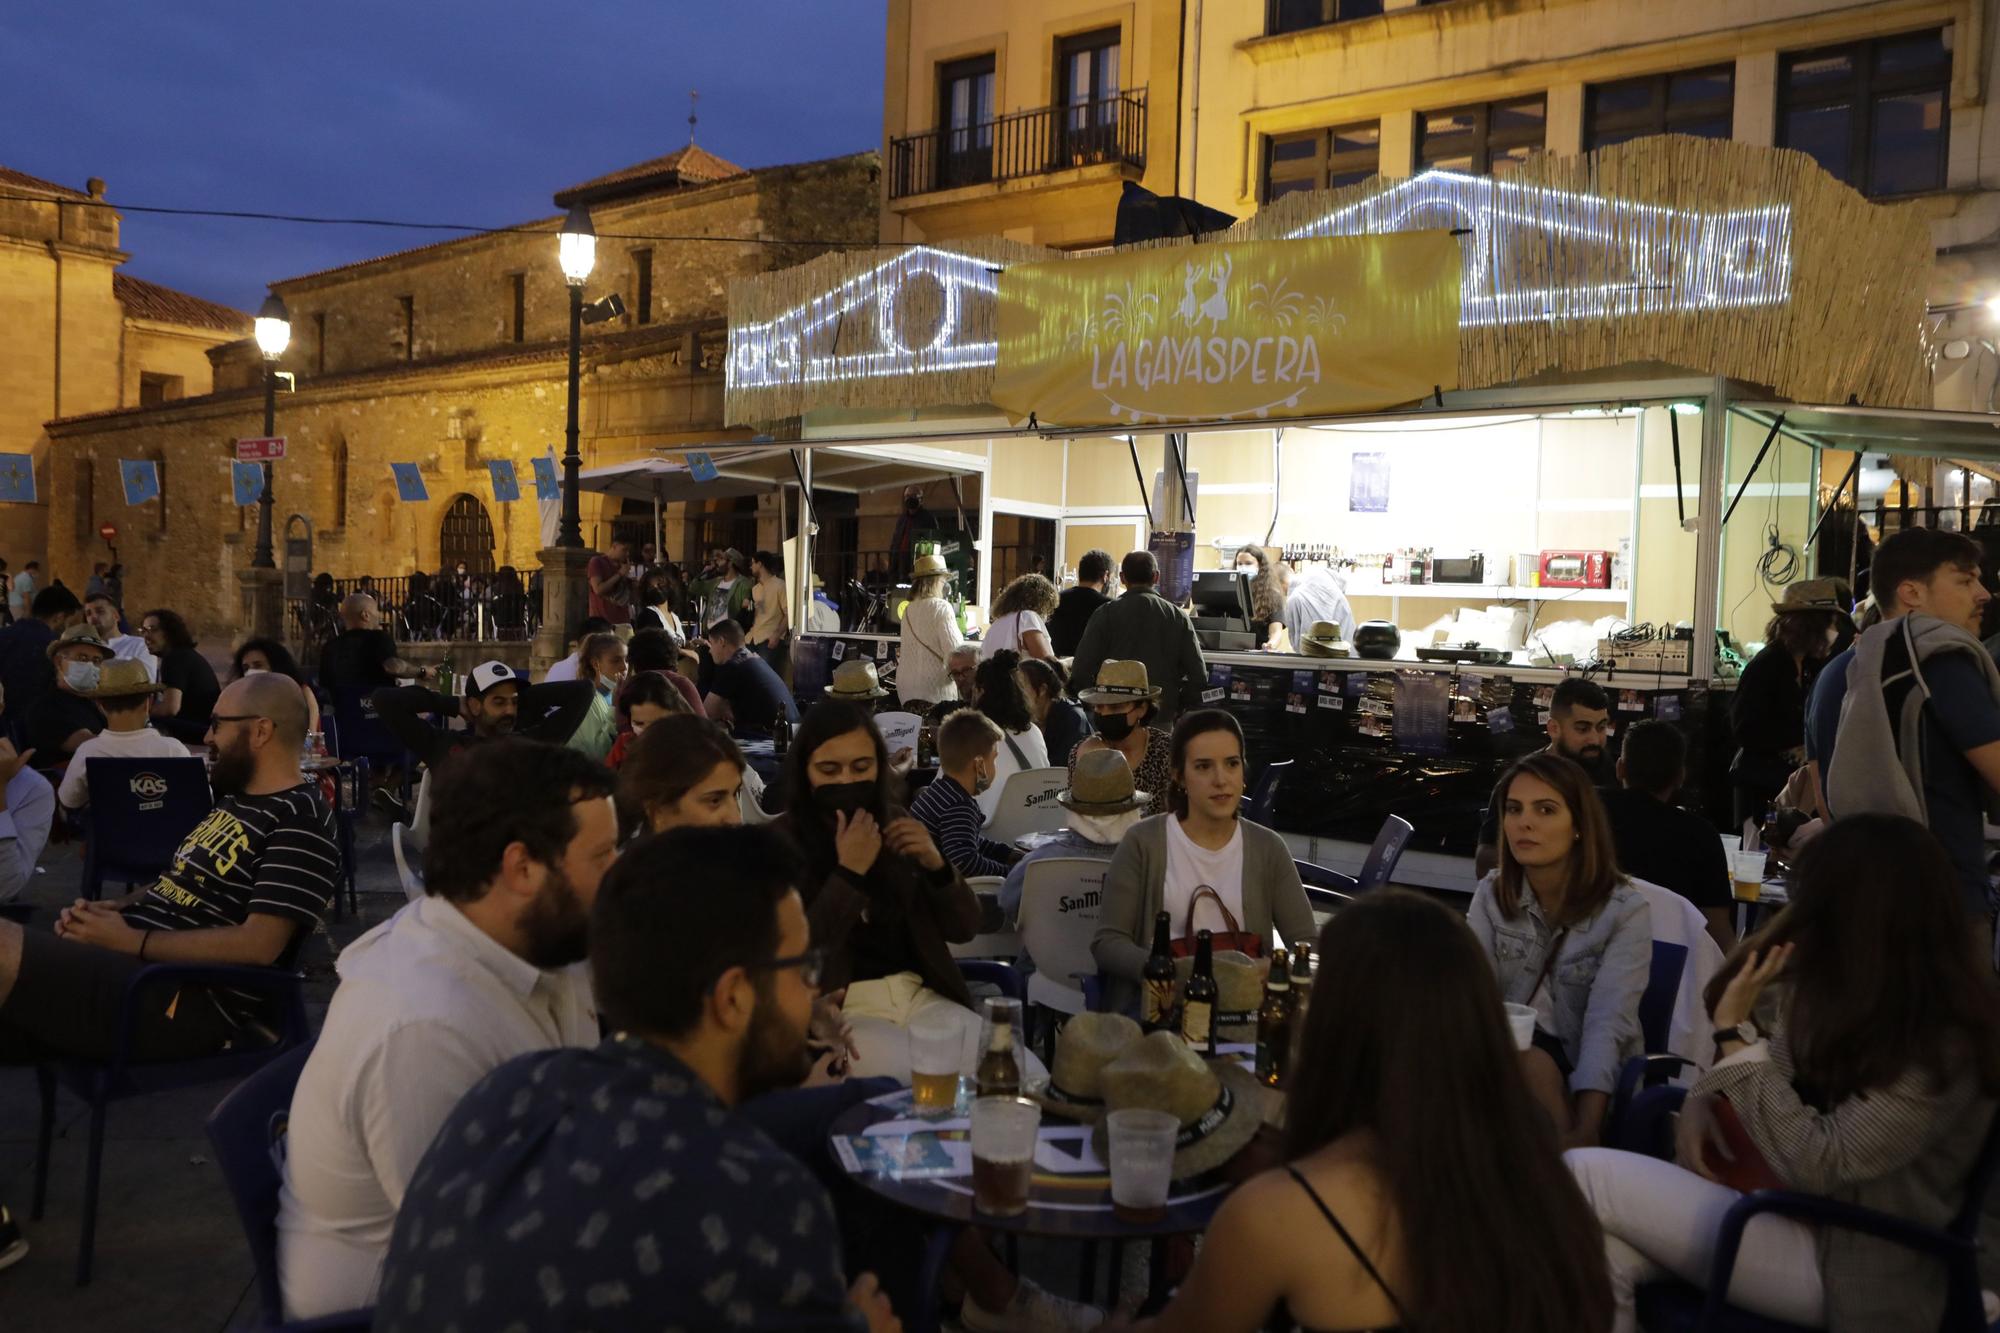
1461	569
1576	569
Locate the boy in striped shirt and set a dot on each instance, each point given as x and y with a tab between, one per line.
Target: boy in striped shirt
968	744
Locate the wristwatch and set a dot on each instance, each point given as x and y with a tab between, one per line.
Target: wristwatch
1745	1032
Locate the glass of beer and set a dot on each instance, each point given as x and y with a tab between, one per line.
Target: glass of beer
1747	870
1142	1162
937	1052
1003	1154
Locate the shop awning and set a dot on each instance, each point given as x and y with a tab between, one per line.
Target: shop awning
1886	430
835	467
664	482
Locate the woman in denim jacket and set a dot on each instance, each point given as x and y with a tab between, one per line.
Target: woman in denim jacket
1569	936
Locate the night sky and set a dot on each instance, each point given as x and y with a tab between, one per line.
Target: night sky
431	110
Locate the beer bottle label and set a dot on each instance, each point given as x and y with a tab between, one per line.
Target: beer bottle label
1159	1002
1196	1019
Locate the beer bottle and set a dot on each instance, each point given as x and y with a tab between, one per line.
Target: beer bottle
999	1072
1274	1021
1199	996
1159	979
1302	982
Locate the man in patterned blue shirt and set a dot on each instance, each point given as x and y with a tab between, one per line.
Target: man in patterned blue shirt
616	1187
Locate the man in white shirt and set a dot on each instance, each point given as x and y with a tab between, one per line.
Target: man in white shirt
482	969
571	667
1313	594
103	614
124	694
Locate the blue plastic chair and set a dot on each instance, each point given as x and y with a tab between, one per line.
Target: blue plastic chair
359	734
99	1083
993	972
1262	801
140	811
1327	890
1674	1306
1650	1070
247	1129
1390	840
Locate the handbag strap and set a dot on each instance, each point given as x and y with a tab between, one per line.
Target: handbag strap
1194	899
1549	963
1014	747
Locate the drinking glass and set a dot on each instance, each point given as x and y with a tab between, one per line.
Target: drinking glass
1142	1162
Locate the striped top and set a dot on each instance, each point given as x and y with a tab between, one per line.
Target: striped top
273	854
953	817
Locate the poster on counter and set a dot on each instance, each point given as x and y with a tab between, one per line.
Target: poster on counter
1423	711
1218	684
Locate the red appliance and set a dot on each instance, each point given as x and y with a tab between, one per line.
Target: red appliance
1576	569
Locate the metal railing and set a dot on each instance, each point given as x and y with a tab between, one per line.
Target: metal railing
420	610
1025	143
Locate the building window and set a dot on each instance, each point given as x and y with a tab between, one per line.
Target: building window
157	389
517	289
1874	114
1695	101
86	502
340	484
319	342
409	304
1086	97
1293	15
642	283
1321	159
965	122
1483	139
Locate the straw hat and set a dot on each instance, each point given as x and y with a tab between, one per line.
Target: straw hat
122	678
1215	1100
1240	991
930	562
1101	784
1323	640
1816	595
855	679
78	636
1086	1043
1120	683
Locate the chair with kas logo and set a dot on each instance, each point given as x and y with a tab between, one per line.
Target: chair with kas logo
140	810
1028	804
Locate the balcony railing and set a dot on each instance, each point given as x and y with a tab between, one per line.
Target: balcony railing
1026	143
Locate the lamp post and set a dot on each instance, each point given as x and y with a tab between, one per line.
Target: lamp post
576	248
274	334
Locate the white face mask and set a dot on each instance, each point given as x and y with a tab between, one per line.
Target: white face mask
255	671
1105	830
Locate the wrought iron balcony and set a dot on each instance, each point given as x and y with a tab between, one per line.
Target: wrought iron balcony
1023	144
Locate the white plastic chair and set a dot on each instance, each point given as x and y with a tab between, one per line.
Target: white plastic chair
413	880
1001	944
418	833
1028	804
899	731
1061	897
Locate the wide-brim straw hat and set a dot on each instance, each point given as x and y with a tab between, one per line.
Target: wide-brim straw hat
1239	986
1101	784
1086	1043
77	636
1120	682
1323	640
1216	1101
856	679
1816	595
930	562
122	678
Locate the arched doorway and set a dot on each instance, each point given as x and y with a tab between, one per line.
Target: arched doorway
467	535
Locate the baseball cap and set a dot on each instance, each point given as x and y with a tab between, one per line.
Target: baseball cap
488	674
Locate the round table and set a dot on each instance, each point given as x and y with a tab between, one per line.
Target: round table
1067	1205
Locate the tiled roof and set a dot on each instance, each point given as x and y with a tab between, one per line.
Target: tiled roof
149	300
535	225
684	166
21	179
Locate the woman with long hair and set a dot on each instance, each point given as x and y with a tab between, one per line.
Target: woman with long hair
1767	712
1004	701
1569	936
682	770
255	655
1267	594
1064	722
644	698
1858	1057
1421	1187
883	902
928	637
1202	863
1020	618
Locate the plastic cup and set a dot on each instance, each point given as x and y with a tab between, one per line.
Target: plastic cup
937	1051
1521	1018
1003	1154
1142	1162
1746	869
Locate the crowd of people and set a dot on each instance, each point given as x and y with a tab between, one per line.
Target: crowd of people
590	1069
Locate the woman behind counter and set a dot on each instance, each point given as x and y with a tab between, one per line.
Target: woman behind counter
1767	715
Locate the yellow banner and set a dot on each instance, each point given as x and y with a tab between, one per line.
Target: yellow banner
1230	332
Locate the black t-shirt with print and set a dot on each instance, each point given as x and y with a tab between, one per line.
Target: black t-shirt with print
273	854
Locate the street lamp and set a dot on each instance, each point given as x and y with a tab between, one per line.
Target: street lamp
576	250
274	334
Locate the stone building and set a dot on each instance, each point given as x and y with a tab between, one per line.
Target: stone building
80	336
450	355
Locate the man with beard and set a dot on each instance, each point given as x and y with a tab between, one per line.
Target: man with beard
431	1001
498	702
620	1187
1579	725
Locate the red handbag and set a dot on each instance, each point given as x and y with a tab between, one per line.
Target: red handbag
1747	1170
1237	938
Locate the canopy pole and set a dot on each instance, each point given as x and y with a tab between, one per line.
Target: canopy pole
1755	463
1834	504
1139	475
1680	494
1709	534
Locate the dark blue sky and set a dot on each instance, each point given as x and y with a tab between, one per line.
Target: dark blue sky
448	110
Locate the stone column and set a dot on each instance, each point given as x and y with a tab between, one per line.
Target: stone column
565	602
263	602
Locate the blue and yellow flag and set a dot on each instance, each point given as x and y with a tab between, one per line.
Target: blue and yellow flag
547	487
506	484
409	482
17	479
142	479
247	480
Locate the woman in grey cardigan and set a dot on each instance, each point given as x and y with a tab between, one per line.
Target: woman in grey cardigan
1869	1077
1201	850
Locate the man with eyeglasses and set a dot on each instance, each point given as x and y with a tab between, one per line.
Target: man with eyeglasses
480	970
245	887
622	1187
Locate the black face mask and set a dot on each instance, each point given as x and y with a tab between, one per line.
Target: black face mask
843	798
1113	727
